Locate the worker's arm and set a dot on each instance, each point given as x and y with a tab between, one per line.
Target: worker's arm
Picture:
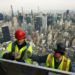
8	49
8	54
39	59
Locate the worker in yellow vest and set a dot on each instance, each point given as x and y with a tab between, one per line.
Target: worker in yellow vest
18	50
57	60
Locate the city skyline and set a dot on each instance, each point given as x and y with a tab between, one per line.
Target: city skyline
37	5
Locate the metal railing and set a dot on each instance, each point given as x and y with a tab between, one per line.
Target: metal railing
19	68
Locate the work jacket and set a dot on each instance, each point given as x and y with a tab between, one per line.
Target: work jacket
64	63
13	47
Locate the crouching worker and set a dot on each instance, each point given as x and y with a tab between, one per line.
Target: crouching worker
19	50
58	60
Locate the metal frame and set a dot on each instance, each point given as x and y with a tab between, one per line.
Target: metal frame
38	67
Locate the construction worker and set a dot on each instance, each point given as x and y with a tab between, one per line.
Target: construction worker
18	50
56	60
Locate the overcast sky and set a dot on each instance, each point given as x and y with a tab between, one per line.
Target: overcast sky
34	4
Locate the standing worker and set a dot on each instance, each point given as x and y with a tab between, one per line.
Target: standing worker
56	60
19	50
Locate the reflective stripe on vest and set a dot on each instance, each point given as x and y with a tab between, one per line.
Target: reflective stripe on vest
49	61
64	65
69	61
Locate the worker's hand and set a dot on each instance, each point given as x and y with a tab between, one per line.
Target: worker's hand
16	55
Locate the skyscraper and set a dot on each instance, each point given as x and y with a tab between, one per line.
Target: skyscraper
38	23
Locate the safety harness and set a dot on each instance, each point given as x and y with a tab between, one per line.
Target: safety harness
23	53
